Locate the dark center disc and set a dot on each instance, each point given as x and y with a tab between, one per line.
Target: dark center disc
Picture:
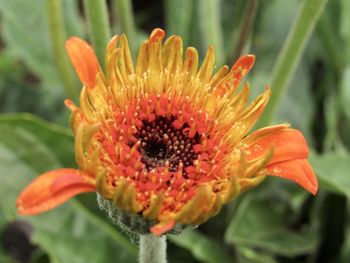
161	142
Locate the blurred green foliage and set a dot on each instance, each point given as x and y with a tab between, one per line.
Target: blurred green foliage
276	222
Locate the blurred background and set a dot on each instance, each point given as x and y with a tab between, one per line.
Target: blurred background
275	222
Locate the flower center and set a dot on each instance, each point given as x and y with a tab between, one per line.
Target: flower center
161	142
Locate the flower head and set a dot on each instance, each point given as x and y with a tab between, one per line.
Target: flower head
165	139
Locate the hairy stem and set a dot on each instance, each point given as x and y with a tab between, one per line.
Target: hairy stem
152	249
290	55
57	37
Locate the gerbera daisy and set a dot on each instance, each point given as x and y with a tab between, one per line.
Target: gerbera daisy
165	140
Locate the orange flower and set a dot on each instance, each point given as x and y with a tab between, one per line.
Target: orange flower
165	140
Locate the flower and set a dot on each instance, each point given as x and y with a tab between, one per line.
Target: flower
165	140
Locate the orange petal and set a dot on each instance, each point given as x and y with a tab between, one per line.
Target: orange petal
298	171
162	227
83	59
52	189
288	144
236	74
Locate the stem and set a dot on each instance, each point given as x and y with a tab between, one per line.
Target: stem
245	27
97	15
210	24
127	21
57	37
178	15
115	17
152	249
290	55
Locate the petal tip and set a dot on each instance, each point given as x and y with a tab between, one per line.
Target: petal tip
83	59
297	170
162	227
112	43
314	190
247	61
157	34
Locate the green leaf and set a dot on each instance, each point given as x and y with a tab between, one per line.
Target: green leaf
247	255
345	91
29	146
332	171
202	248
261	223
62	150
25	32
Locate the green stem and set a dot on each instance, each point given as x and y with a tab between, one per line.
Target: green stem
210	24
152	249
245	27
178	17
290	55
57	36
127	21
97	15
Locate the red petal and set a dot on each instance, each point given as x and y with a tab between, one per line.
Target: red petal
298	171
83	59
52	189
162	227
288	144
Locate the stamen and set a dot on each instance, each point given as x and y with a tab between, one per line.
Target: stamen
161	143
